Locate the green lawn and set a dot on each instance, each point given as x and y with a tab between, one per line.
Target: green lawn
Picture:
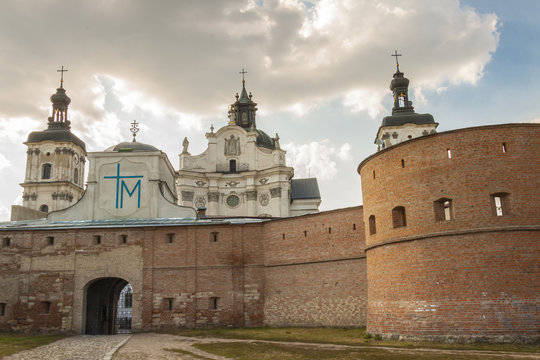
12	343
355	336
266	351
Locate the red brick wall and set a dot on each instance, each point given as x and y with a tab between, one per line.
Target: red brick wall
315	270
469	275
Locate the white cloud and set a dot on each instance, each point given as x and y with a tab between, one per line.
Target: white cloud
316	159
4	162
369	101
16	129
535	121
5	213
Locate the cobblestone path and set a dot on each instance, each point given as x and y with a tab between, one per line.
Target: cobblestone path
82	347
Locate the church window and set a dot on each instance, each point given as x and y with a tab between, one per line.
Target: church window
449	153
372	225
168	304
46	171
213	303
50	240
232	201
76	176
232	165
501	203
97	239
504	147
6	242
398	217
45	307
170	238
44	208
2	309
443	209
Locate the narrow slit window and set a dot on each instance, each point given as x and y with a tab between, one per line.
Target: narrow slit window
402	163
50	240
170	238
123	239
2	309
214	236
504	147
329	230
6	242
45	307
372	225
214	303
169	302
97	239
305	233
501	204
283	236
354	226
374	174
449	153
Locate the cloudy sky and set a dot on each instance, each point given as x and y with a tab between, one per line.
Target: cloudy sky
319	71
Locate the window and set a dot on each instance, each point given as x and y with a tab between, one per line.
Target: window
402	163
214	302
329	230
305	233
504	147
128	299
6	242
50	240
214	236
123	239
97	239
46	171
374	174
45	307
232	166
2	309
283	235
170	238
76	176
398	217
501	203
443	209
168	303
354	226
44	208
401	100
372	225
449	153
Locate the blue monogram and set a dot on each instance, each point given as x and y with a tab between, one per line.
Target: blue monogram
121	185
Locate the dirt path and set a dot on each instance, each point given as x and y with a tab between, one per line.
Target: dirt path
158	346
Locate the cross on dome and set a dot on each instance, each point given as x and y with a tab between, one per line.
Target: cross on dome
62	71
396	55
134	129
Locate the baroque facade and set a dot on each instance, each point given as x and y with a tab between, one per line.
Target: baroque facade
445	246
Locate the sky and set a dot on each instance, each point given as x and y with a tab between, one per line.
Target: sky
319	71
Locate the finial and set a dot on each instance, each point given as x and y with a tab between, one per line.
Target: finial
212	128
134	129
237	96
243	80
397	62
250	96
62	71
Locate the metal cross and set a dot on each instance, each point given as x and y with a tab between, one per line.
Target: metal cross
61	71
134	129
396	55
243	72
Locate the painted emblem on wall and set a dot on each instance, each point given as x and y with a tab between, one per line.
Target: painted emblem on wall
121	186
264	199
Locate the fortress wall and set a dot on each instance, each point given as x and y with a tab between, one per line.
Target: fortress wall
315	270
469	275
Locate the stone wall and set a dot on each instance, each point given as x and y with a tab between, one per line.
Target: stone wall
461	271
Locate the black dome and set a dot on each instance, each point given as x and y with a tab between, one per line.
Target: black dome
55	132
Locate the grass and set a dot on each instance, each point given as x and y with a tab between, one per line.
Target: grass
354	336
185	352
13	343
266	351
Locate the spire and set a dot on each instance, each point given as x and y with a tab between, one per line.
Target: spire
400	88
60	102
242	112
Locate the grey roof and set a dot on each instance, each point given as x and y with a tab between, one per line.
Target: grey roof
44	224
55	132
132	146
305	189
412	118
264	140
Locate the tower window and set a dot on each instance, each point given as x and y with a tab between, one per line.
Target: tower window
398	217
374	174
44	208
501	203
232	165
449	153
6	242
170	238
329	230
372	225
97	239
76	176
354	226
504	147
402	163
305	233
214	302
214	236
2	309
45	307
46	171
401	100
443	209
168	303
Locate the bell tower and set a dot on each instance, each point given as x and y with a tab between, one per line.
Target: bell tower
242	112
55	160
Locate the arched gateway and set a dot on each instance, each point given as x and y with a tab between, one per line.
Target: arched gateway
101	310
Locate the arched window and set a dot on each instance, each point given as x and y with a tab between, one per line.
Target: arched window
232	166
44	208
46	171
398	217
76	176
372	225
443	209
401	100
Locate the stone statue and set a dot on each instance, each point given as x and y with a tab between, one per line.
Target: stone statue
185	144
232	146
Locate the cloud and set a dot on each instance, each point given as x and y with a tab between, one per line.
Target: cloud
316	159
4	162
535	121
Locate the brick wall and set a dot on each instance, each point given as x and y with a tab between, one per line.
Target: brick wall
471	274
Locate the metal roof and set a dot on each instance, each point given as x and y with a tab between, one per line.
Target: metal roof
305	189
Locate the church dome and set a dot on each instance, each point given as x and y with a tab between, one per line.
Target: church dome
264	140
58	132
129	146
60	99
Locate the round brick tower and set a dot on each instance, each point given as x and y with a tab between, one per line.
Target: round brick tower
453	234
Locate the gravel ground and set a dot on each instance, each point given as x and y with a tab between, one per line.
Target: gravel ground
82	347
